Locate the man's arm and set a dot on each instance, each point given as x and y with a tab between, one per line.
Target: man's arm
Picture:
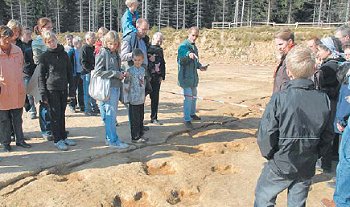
183	54
268	133
126	53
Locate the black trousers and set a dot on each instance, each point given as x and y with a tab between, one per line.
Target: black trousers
326	160
78	86
136	113
11	120
154	98
57	107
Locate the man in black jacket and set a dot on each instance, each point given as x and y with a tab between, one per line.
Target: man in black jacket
29	67
87	60
294	131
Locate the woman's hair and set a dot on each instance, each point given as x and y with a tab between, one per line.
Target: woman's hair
285	34
47	35
14	24
103	30
156	36
300	62
42	22
128	3
111	36
5	31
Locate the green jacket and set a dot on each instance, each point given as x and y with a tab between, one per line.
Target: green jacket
187	67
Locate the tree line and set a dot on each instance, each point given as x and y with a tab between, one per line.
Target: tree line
89	15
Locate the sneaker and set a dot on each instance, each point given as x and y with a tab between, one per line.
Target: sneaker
61	145
156	122
195	117
119	145
139	140
70	142
188	125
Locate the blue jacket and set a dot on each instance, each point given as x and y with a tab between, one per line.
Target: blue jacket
127	23
187	67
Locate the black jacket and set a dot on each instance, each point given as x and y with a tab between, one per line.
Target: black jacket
87	58
55	71
295	129
29	65
159	56
326	77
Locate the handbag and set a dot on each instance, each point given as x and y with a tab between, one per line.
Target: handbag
99	88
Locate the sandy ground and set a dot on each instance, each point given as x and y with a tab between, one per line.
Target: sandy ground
216	164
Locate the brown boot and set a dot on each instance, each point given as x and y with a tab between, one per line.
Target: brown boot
327	203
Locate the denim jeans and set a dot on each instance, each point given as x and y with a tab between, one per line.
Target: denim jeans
270	185
32	109
342	194
89	102
110	109
190	100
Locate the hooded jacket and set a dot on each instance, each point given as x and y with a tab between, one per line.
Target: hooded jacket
187	67
108	66
12	90
295	129
55	71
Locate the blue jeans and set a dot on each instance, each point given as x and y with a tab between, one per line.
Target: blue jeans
342	194
189	102
32	109
109	111
89	103
270	185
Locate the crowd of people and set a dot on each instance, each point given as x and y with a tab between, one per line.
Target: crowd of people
55	75
303	127
306	119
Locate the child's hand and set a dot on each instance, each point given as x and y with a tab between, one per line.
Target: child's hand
126	74
347	98
340	127
152	58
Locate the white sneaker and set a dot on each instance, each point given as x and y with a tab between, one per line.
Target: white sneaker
119	145
70	142
61	145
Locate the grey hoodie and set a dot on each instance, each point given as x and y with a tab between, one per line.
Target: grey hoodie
107	65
